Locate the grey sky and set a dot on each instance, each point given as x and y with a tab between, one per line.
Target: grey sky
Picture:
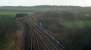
44	2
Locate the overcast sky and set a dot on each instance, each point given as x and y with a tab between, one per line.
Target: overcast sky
44	2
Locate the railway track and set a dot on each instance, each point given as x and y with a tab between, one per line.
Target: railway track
35	37
49	41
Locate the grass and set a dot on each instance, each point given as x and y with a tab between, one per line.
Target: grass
7	25
7	13
77	24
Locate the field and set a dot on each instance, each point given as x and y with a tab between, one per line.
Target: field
77	24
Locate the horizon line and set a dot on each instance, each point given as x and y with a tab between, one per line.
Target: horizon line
40	5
